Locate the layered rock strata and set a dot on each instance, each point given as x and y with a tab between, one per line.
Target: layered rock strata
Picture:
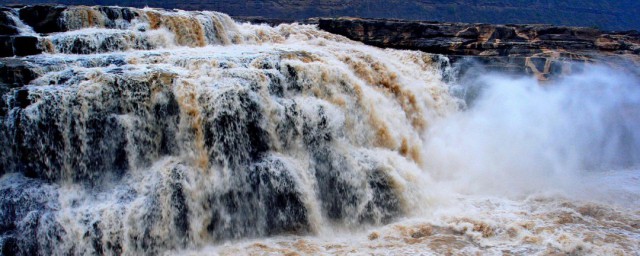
543	50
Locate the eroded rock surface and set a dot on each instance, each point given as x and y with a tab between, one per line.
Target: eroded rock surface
543	50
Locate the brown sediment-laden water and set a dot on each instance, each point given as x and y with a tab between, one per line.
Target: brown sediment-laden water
147	131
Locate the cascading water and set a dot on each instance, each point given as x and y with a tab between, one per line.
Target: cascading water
149	131
282	130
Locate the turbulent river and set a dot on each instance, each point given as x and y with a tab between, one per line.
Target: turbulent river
171	132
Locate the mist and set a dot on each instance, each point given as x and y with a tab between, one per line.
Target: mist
520	136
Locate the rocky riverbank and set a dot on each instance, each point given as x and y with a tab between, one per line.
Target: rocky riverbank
539	49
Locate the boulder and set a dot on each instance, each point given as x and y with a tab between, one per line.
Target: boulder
19	46
15	72
6	46
26	45
43	18
7	25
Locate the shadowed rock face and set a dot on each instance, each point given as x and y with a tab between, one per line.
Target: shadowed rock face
43	18
539	49
19	46
7	25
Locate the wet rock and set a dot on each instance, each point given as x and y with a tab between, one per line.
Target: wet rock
7	25
113	13
238	212
4	88
19	46
26	45
9	246
22	98
275	185
16	72
43	18
23	201
336	171
105	150
6	46
235	130
179	202
385	204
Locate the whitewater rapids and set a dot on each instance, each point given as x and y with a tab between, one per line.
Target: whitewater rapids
171	132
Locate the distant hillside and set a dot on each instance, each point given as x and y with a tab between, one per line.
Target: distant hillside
609	15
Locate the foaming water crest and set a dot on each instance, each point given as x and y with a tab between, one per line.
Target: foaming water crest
109	29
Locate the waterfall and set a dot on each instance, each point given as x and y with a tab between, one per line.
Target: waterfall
148	130
130	131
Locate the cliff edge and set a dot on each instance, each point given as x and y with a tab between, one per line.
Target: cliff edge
540	49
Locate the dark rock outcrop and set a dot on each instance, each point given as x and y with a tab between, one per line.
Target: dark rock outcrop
481	39
43	18
543	50
19	46
15	72
6	46
26	45
46	19
7	25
